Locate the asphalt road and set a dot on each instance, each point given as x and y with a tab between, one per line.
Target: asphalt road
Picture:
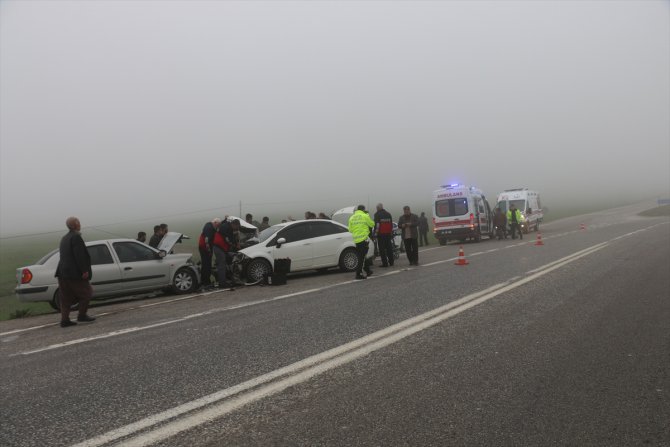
567	343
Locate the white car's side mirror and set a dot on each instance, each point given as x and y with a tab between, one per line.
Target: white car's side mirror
162	254
280	241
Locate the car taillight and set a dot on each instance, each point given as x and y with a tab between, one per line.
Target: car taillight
472	220
26	276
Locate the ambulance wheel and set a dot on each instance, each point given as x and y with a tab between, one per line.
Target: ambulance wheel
537	226
349	260
443	241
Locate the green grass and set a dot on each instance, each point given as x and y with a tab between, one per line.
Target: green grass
659	211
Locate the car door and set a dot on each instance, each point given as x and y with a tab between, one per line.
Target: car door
107	276
327	243
298	246
141	268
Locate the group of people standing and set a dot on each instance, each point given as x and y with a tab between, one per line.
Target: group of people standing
414	231
159	231
513	218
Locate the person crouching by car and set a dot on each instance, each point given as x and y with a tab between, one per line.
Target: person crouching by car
225	242
205	247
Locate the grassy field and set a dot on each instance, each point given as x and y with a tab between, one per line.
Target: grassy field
663	210
19	252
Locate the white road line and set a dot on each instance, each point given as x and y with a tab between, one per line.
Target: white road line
301	371
31	328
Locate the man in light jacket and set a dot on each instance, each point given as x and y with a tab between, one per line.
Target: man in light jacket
408	224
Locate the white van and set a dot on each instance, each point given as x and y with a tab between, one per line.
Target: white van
461	212
526	201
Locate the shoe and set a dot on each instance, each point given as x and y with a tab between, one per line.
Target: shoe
67	323
369	272
85	319
361	277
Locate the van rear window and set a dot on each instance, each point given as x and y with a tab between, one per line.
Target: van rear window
451	207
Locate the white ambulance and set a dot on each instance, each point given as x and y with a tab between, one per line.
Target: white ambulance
526	201
461	212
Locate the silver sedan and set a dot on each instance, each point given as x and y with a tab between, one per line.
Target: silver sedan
120	267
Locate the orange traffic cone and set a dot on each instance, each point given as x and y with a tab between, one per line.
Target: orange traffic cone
461	257
539	239
583	227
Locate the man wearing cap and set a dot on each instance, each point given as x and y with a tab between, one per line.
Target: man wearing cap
360	226
74	273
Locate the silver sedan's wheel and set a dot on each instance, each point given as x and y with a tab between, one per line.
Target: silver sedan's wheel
257	269
184	281
55	302
349	260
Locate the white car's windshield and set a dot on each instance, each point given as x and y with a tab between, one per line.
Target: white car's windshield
268	232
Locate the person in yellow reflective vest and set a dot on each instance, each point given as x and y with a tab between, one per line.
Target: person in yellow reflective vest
514	219
360	226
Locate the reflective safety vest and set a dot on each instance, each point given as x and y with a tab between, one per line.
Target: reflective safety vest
360	226
517	213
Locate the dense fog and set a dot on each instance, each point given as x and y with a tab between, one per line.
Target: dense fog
145	111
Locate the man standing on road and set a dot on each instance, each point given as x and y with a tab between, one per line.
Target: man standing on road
384	233
514	219
225	241
74	273
408	224
423	229
205	247
360	226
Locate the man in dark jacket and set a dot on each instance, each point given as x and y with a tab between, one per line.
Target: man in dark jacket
408	224
74	273
205	247
156	238
225	242
384	233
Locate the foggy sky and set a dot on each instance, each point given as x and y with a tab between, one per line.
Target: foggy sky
118	110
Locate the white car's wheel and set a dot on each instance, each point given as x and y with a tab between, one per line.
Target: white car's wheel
257	269
349	260
184	281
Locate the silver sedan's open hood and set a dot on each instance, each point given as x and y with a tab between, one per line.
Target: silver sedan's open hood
170	240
